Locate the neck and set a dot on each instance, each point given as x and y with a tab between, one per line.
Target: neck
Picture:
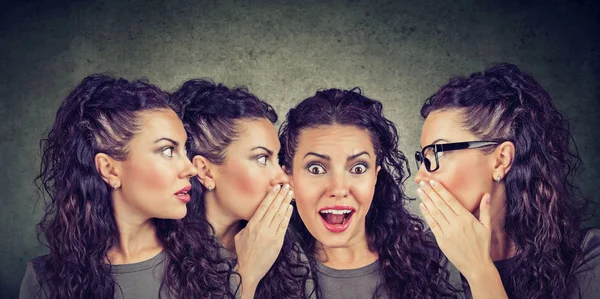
352	256
501	246
226	226
137	239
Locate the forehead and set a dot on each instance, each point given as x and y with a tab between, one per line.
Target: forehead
334	140
156	124
256	132
444	124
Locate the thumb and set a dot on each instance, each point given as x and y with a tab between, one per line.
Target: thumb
485	211
239	235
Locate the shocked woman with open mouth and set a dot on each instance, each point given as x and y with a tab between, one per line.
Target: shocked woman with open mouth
342	158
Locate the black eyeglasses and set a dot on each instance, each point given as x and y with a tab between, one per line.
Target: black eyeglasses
429	154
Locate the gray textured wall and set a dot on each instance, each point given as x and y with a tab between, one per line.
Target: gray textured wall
398	52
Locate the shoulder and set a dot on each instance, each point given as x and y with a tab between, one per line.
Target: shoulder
591	238
590	251
587	267
31	285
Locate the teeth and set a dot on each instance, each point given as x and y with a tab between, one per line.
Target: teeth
336	212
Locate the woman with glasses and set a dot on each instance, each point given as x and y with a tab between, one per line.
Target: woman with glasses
343	160
495	180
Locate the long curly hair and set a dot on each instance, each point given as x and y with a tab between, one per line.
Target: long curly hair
210	113
101	115
409	270
543	205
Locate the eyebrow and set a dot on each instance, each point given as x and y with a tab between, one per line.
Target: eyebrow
358	155
325	157
270	152
167	139
437	140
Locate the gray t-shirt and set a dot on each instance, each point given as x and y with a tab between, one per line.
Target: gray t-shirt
587	272
358	283
138	280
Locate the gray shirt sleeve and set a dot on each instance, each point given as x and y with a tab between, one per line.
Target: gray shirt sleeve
30	286
587	272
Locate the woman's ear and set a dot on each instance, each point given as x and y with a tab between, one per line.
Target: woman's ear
504	157
205	171
109	169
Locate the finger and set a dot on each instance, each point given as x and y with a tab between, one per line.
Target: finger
448	198
282	210
433	225
265	204
433	209
285	222
438	201
485	211
274	207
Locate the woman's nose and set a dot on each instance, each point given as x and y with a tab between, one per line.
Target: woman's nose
422	174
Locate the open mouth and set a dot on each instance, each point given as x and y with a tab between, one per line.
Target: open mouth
183	194
337	219
336	216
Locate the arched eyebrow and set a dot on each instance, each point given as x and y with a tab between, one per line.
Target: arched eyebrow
436	141
270	152
358	155
326	157
167	139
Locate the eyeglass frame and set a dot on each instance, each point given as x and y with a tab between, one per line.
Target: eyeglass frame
444	147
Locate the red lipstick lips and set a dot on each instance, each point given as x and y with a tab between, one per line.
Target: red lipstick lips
337	219
183	194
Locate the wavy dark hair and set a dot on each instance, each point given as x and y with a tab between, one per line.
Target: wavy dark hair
408	268
210	113
543	206
101	115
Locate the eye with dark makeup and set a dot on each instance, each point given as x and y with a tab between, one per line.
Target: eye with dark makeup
262	159
167	151
359	168
315	168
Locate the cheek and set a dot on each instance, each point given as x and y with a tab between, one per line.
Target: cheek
466	182
307	193
245	187
246	181
363	190
150	176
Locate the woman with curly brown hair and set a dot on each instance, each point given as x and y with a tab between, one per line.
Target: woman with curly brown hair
117	222
496	181
241	193
343	160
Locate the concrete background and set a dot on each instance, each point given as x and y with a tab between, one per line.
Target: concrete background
398	52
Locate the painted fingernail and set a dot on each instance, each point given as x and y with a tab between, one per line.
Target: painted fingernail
422	206
277	187
420	191
433	183
287	186
489	199
290	193
423	184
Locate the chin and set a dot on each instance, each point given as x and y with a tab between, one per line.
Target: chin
333	240
329	243
177	214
